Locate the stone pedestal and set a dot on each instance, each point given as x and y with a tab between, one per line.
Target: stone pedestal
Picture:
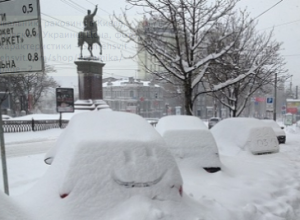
90	79
89	84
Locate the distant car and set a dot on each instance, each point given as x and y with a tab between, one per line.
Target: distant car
190	141
104	159
235	135
280	133
212	121
152	121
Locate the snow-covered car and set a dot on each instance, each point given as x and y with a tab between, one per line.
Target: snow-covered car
189	139
236	135
212	121
280	133
6	117
104	163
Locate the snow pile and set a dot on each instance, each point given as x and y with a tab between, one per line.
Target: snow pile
237	135
32	136
65	116
105	162
294	129
249	187
189	140
10	210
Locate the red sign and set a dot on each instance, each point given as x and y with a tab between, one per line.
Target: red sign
292	110
260	99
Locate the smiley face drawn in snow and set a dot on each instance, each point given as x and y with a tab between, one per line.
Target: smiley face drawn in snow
139	169
146	168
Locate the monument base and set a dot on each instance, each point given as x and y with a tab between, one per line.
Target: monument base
89	70
89	79
90	105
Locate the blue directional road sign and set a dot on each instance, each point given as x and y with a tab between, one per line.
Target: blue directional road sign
269	105
269	100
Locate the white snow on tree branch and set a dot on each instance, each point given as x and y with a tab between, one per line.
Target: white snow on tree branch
212	56
235	80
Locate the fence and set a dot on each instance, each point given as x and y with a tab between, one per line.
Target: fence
36	125
32	125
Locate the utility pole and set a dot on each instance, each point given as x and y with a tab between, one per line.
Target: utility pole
275	97
3	157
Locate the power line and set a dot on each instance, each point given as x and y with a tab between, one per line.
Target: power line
267	10
86	9
98	7
60	21
291	55
104	40
278	25
77	5
76	8
51	22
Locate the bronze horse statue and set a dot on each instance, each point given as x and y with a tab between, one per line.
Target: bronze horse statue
90	37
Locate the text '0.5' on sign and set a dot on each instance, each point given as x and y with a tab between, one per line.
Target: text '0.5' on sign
20	37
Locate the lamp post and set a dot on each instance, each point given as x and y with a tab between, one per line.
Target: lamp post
275	97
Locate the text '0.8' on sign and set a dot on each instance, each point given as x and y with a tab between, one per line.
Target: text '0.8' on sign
20	37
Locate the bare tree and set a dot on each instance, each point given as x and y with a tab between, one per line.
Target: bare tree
179	43
28	88
252	49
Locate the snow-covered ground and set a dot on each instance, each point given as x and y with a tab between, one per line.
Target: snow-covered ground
265	187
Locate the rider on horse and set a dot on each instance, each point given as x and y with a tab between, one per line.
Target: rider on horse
89	35
88	20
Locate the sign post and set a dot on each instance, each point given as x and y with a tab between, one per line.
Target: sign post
21	48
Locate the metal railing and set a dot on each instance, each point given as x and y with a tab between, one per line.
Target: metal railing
32	125
10	126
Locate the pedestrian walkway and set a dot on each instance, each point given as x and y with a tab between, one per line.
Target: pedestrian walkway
31	136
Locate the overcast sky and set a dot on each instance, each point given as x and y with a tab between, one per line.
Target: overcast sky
61	42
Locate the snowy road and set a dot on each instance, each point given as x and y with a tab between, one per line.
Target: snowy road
28	148
265	187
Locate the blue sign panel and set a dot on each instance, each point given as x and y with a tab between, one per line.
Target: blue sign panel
269	100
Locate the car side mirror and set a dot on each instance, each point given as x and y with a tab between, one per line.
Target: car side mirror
48	160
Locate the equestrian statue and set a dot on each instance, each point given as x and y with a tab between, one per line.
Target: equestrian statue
89	35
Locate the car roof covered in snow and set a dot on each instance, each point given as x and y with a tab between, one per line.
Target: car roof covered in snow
188	138
234	135
103	159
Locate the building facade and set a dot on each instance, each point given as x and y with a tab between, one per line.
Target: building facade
133	95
